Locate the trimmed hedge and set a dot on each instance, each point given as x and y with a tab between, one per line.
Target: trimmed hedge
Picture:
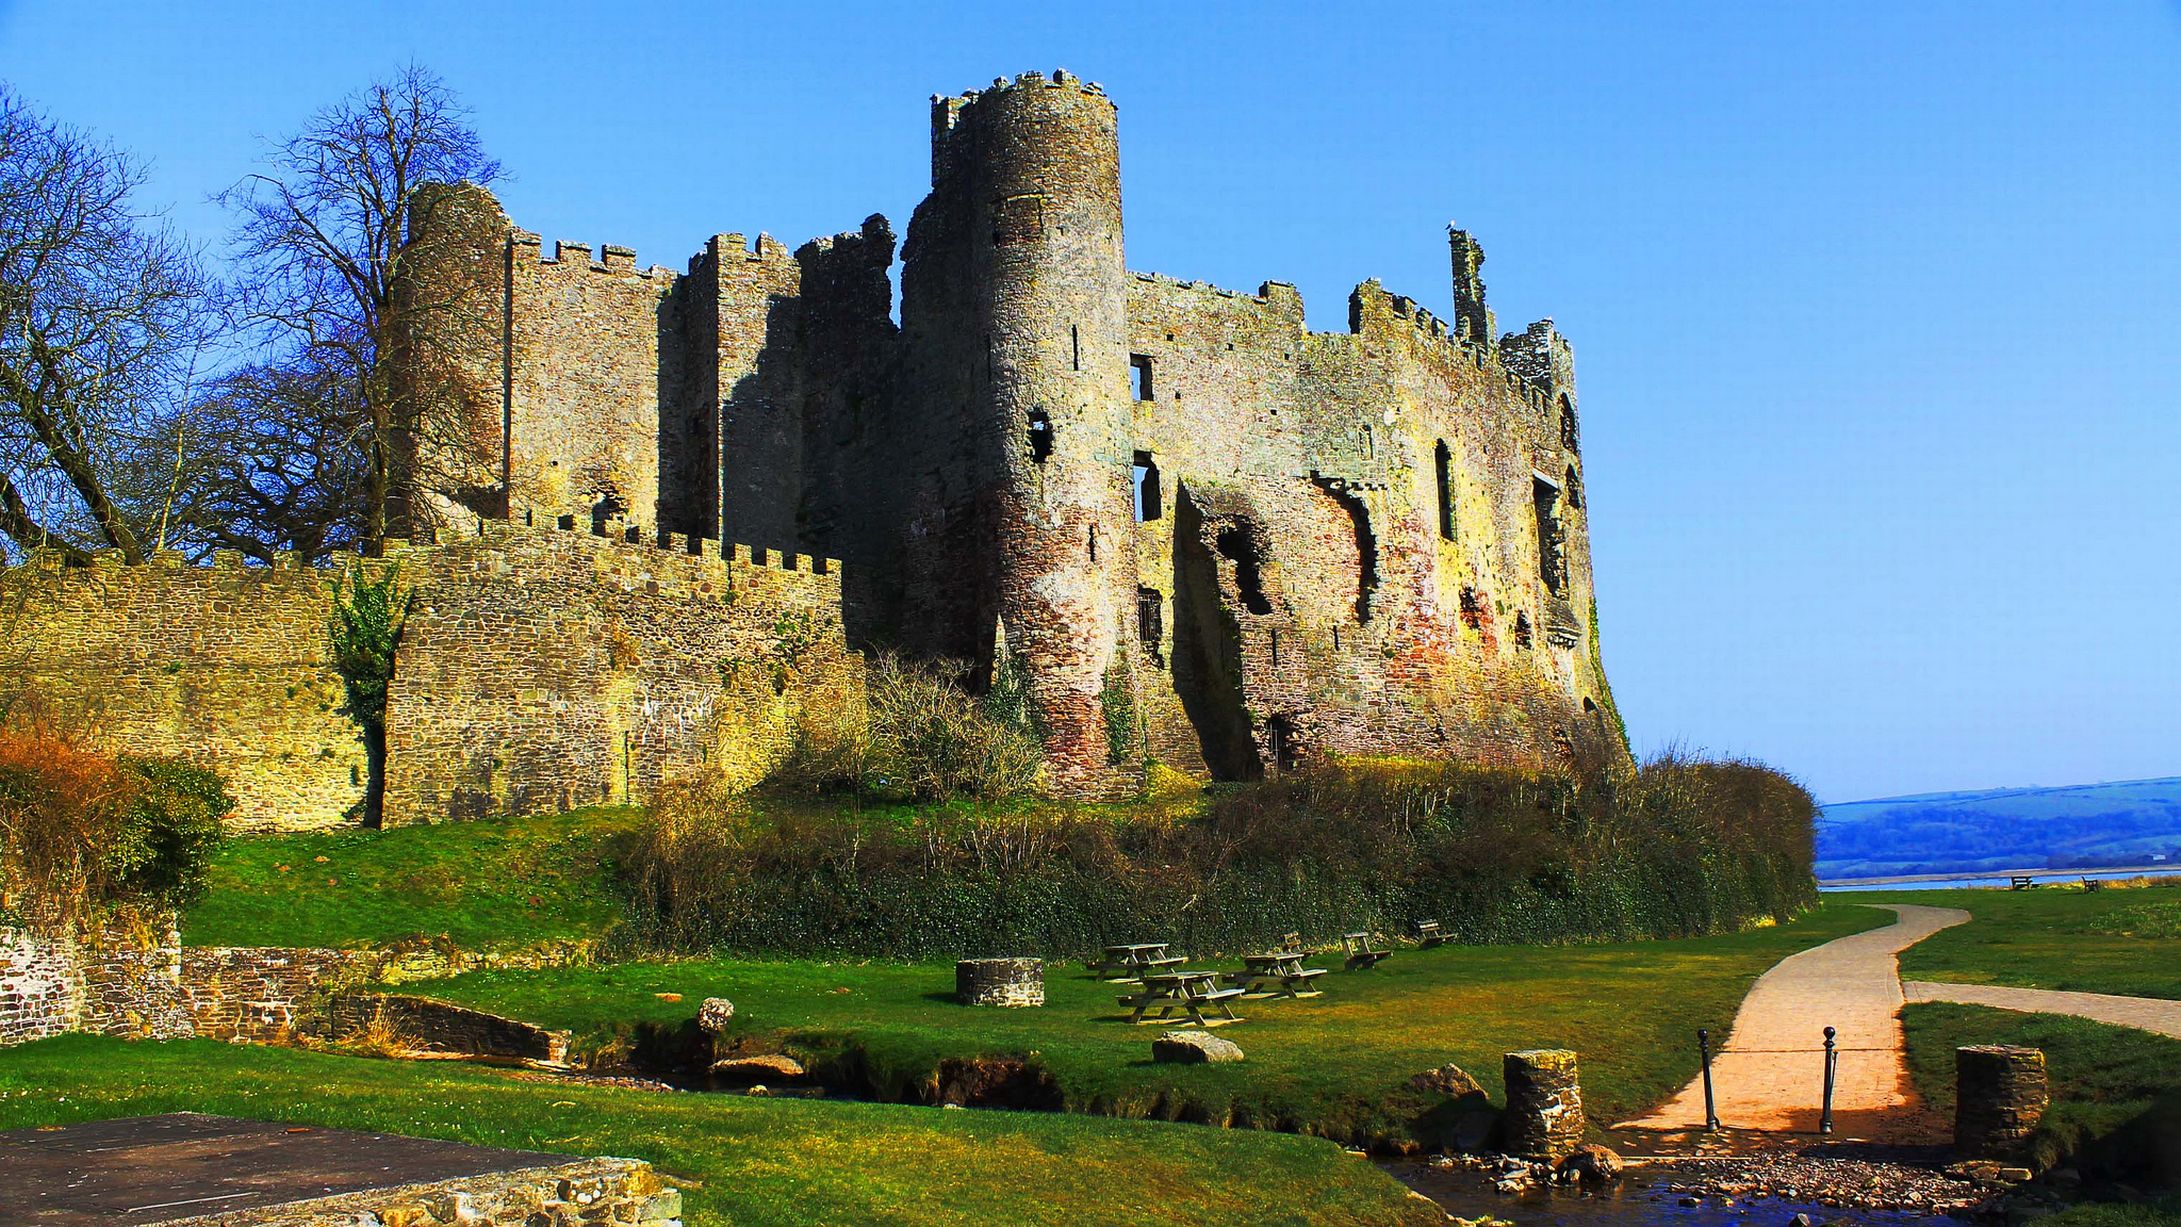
1674	848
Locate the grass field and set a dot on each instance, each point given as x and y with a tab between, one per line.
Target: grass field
1335	1064
2125	941
491	884
739	1160
2116	1111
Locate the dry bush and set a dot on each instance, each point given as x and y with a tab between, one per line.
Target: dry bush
921	737
81	830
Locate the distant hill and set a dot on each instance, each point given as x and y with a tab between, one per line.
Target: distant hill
2135	822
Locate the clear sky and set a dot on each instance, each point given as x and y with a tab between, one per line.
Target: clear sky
1876	307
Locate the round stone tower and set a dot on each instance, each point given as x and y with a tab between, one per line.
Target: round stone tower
1038	165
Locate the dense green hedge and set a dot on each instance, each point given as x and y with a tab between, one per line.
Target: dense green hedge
1672	849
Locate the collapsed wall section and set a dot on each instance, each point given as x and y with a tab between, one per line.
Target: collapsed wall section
1373	542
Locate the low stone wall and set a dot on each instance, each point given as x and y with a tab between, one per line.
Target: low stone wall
439	1026
123	978
262	992
617	1191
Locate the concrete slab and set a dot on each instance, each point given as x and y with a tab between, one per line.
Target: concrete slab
162	1169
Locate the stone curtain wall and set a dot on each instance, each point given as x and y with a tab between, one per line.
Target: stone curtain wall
224	665
543	670
123	979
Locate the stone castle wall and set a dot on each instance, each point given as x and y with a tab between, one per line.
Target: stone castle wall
225	665
540	669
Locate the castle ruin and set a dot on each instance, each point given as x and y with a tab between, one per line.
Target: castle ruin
1208	537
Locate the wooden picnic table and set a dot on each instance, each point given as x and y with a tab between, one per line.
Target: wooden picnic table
1133	959
1282	969
1163	993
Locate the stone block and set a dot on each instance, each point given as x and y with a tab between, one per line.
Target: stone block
1194	1048
1544	1118
1011	983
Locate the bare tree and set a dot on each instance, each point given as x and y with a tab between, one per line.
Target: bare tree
103	325
325	232
274	463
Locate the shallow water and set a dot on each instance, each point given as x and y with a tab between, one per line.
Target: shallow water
1466	1193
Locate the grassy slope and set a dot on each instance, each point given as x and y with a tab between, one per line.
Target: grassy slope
2116	1092
1333	1063
483	884
746	1161
2124	941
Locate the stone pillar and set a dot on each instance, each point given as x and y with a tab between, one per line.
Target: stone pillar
1001	982
1999	1096
1544	1104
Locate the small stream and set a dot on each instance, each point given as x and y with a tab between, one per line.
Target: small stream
1638	1198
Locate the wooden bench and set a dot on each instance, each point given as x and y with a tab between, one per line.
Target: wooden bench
1282	970
1427	933
2021	881
1361	953
2090	883
1187	991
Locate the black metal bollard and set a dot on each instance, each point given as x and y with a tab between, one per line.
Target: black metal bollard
1832	1064
1711	1112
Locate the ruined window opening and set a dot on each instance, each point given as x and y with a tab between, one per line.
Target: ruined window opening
1359	515
1575	490
1146	477
1472	609
1551	537
1237	547
1094	543
1041	436
1275	647
1588	706
1075	348
1280	739
1522	629
1567	423
1443	459
1139	377
1151	623
1336	637
1370	442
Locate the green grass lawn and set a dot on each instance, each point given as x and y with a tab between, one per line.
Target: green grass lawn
2125	941
1336	1064
491	884
740	1160
2116	1110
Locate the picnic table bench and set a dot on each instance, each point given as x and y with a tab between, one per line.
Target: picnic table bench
1361	953
1133	959
1280	972
1191	992
1427	933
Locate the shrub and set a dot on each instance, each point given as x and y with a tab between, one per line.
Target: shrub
1676	848
81	831
924	738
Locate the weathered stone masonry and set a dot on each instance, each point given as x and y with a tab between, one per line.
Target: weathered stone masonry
1209	536
1365	542
540	669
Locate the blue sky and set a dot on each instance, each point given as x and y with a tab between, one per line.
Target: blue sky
1876	307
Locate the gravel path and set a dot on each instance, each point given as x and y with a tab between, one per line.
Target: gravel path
2153	1014
1769	1074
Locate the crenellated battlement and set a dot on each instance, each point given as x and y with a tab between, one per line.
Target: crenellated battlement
570	258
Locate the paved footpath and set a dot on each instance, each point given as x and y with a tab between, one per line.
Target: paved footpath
2143	1013
1770	1073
